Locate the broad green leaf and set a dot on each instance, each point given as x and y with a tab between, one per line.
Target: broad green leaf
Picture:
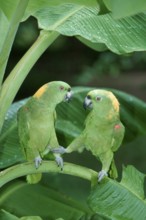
70	123
76	19
119	201
125	8
33	7
40	201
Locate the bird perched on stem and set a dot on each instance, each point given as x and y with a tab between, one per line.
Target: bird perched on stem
36	124
103	132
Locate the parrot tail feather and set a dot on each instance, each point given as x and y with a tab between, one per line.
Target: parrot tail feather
34	178
113	170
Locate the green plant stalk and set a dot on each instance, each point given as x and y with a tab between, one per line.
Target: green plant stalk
46	167
21	70
13	26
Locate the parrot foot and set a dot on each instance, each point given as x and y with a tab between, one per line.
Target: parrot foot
59	161
38	161
59	150
101	175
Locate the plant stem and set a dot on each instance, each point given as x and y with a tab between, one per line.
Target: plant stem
21	70
46	167
12	29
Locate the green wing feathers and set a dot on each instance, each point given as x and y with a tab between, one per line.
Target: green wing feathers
118	135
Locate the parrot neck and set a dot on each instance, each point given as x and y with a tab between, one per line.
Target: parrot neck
104	117
43	104
48	99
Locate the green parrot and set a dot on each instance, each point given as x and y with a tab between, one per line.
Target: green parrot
103	132
36	124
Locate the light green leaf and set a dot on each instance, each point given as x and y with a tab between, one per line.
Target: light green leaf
133	180
120	36
4	215
94	46
14	12
31	218
8	7
3	28
125	8
117	201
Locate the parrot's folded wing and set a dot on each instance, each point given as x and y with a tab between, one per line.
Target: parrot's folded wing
118	135
23	128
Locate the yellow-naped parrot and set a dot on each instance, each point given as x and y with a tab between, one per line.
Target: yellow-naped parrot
103	132
36	121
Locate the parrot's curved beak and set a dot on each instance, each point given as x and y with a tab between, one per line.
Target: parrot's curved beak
87	103
68	96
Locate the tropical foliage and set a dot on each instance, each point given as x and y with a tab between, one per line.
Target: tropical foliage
101	26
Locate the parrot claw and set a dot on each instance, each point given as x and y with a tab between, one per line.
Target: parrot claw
59	161
59	150
38	161
101	175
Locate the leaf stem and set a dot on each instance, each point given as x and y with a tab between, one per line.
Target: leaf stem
21	70
46	167
13	26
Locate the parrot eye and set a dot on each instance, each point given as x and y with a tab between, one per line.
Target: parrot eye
69	89
88	97
61	87
98	98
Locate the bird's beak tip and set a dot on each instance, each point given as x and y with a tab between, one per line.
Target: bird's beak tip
68	96
87	103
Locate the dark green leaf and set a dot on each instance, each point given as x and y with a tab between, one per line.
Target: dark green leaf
35	200
10	151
